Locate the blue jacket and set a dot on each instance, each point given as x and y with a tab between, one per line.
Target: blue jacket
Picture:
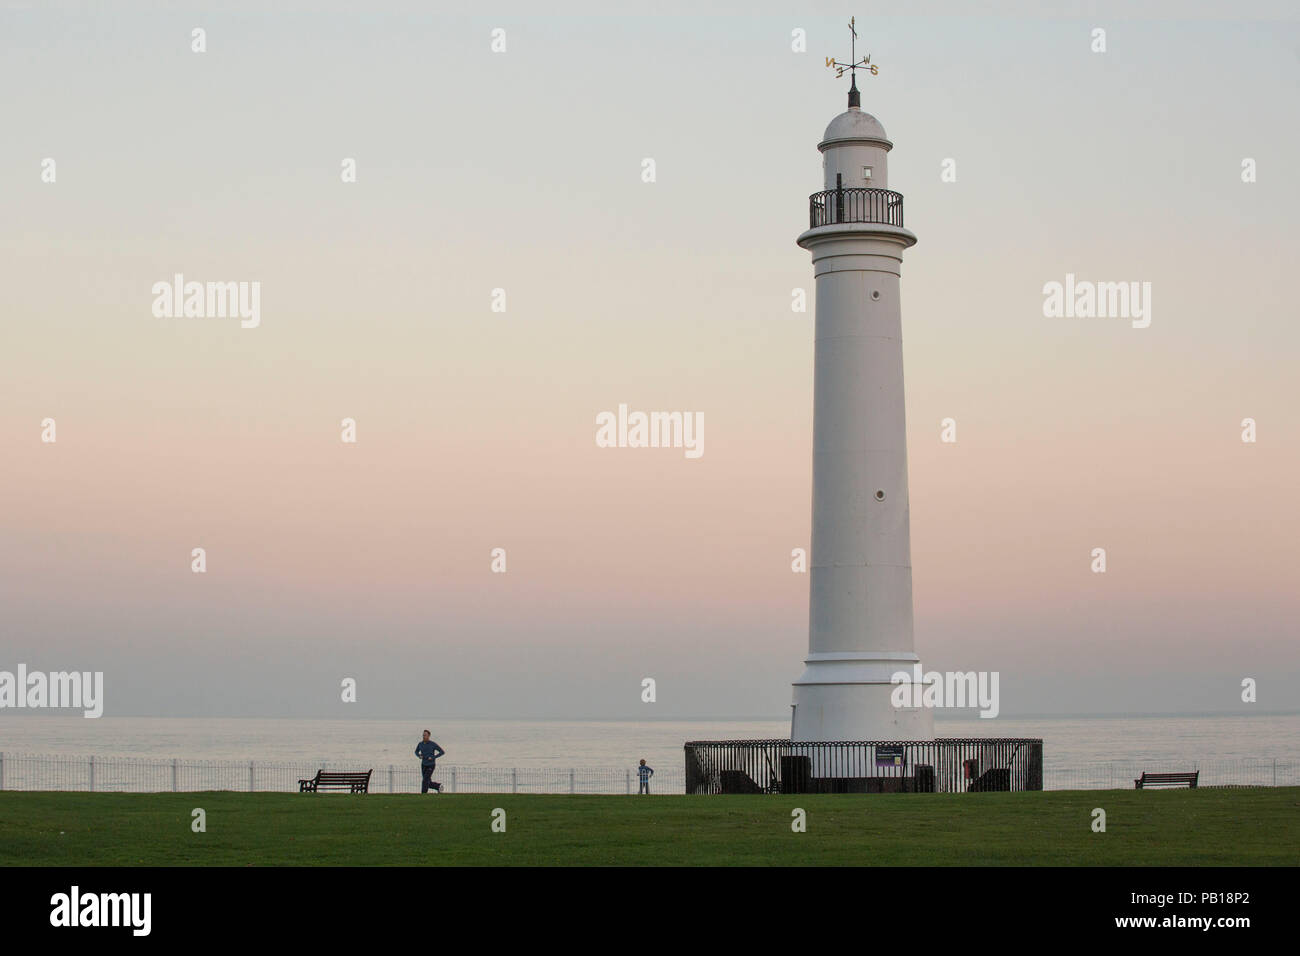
428	752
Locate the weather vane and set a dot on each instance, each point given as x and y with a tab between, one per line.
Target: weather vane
853	65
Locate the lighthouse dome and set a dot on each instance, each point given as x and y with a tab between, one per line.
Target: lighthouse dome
855	152
853	124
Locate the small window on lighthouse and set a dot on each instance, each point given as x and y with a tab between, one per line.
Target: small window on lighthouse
866	173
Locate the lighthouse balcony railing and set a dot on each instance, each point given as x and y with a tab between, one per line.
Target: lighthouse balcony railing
850	204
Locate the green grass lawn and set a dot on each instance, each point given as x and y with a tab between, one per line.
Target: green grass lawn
1176	827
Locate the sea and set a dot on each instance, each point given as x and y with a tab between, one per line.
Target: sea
1071	743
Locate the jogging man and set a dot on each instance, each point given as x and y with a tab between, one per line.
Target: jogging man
428	752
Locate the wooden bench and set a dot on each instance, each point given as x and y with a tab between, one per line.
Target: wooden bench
336	780
1166	780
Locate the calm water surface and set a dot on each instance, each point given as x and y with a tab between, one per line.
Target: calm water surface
1068	741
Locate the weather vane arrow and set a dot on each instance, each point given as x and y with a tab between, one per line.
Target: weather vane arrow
854	64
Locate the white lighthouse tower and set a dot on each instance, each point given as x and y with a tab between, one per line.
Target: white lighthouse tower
860	602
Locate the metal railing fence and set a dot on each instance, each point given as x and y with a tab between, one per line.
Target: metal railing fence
20	771
952	765
1216	772
855	204
158	775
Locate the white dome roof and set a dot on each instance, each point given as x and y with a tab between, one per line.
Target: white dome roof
854	124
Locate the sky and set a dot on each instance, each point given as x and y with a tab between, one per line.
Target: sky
522	170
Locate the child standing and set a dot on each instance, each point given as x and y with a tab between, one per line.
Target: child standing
644	774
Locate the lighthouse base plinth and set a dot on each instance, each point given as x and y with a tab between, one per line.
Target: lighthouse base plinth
850	696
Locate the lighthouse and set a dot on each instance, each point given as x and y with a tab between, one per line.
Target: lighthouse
860	581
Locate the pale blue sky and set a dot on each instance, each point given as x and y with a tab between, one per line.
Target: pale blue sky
521	171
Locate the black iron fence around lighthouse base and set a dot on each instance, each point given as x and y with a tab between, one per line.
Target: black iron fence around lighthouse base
947	765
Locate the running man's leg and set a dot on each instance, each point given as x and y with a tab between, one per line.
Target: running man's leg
425	773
